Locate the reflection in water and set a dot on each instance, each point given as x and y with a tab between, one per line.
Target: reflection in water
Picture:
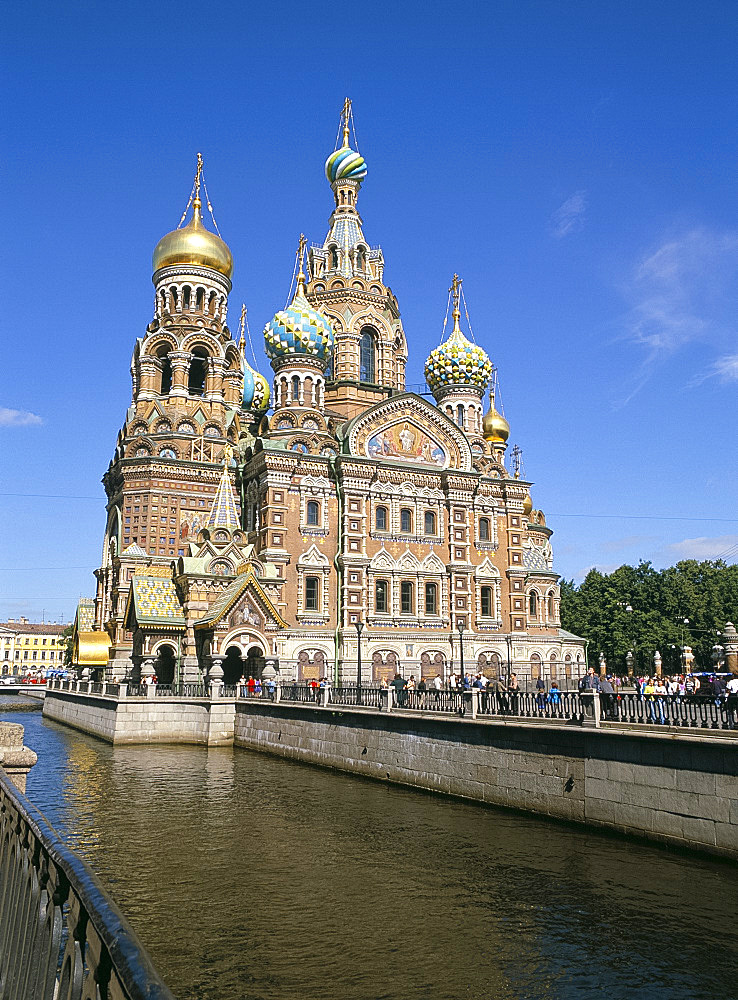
254	877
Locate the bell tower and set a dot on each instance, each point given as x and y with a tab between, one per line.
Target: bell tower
188	381
347	285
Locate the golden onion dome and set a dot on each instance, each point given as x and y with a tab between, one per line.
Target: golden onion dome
494	426
527	505
194	244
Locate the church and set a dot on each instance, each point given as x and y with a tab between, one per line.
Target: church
274	525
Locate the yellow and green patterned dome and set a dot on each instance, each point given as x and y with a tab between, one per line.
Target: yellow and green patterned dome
299	330
457	362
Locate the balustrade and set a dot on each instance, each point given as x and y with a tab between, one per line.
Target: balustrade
61	935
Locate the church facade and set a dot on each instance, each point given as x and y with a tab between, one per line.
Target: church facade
253	524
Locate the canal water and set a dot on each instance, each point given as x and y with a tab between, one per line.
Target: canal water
254	878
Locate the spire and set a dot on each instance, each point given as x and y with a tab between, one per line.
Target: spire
302	244
455	290
242	339
346	117
223	513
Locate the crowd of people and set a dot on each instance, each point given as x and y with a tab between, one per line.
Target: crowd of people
502	696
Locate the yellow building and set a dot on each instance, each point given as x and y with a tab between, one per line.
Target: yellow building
30	647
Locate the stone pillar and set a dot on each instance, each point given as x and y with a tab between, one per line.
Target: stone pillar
470	702
730	645
180	362
215	676
603	665
657	663
325	695
385	699
16	759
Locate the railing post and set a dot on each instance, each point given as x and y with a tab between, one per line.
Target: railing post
470	702
385	699
325	696
123	690
592	708
277	693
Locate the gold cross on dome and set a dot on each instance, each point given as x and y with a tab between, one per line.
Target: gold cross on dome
346	116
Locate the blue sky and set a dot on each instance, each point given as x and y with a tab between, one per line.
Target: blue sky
575	163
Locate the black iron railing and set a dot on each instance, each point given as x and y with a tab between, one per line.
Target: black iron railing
685	712
351	695
301	693
445	700
61	935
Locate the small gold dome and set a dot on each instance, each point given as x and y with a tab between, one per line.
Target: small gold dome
194	244
527	505
494	426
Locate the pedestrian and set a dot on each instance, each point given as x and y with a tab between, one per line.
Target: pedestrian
731	703
398	683
540	693
554	697
514	693
607	698
251	686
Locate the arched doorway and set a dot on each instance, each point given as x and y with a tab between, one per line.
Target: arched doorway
232	665
535	666
164	665
254	662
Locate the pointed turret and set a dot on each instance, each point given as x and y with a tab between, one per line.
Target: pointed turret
224	512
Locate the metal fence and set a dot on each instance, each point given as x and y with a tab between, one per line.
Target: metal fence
61	935
445	700
352	695
684	712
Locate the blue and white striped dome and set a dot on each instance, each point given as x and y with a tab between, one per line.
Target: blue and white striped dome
345	164
299	330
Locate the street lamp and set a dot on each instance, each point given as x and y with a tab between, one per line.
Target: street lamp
460	627
359	629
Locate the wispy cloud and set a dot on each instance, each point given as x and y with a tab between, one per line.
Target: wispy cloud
716	547
569	216
18	418
676	292
725	369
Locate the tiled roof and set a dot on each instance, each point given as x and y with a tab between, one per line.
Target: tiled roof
155	601
85	614
223	513
34	628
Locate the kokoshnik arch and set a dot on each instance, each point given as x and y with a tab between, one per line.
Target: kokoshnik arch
251	524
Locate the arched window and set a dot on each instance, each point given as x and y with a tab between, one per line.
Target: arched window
483	529
550	607
295	388
431	598
406	597
535	666
486	595
380	597
200	298
360	259
333	258
330	368
533	605
198	372
166	370
406	520
313	513
367	352
380	519
430	522
460	415
186	297
311	593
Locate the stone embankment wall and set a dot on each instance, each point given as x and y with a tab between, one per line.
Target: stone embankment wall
144	720
681	790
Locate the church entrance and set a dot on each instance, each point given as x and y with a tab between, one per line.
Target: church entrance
164	665
254	661
232	666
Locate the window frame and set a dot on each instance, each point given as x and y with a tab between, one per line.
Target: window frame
407	597
384	586
385	518
403	512
312	603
